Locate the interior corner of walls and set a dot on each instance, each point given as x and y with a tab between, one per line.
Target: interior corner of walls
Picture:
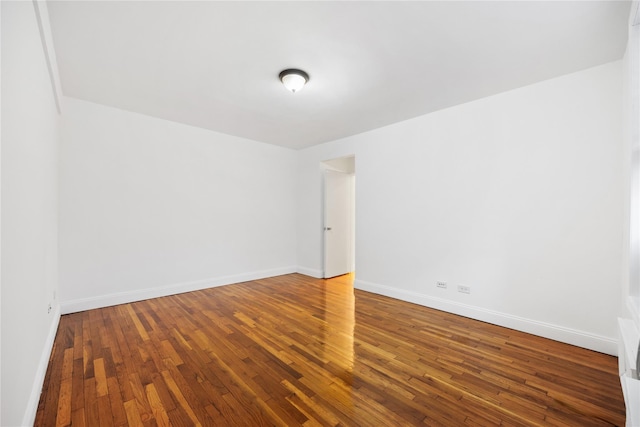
318	274
106	300
546	330
38	382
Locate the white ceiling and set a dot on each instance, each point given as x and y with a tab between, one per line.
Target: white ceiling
215	64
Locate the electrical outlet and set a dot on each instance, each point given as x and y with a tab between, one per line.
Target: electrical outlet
464	289
441	285
49	308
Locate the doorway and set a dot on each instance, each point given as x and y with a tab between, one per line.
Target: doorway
338	216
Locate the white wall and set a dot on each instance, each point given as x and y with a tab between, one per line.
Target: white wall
519	196
150	207
29	213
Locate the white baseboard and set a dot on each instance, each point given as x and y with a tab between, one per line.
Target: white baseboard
318	274
558	333
99	301
34	399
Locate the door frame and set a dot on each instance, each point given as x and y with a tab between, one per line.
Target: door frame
345	165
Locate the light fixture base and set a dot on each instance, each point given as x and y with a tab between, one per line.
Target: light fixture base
293	79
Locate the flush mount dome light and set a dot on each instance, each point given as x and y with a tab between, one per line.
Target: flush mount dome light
294	79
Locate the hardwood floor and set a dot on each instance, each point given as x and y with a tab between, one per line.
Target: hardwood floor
292	350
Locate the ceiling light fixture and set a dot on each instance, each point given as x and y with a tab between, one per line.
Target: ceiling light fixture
294	79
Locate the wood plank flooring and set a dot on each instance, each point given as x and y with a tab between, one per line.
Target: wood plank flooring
293	350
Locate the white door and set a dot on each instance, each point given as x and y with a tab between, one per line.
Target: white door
337	223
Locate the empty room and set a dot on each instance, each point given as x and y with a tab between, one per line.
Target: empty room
319	213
